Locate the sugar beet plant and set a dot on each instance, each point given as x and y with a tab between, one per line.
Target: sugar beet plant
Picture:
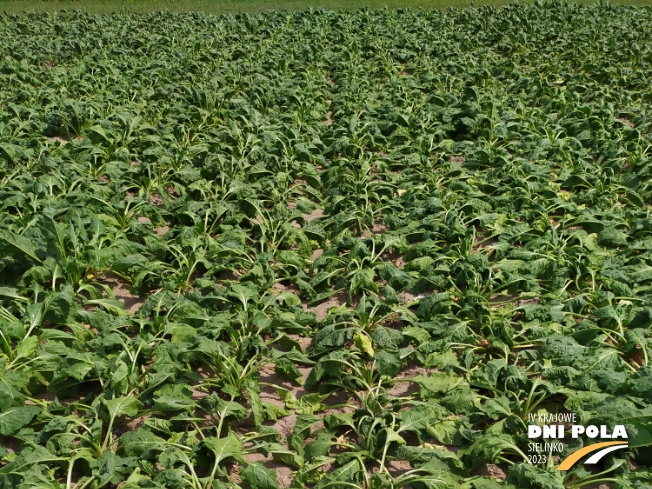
354	249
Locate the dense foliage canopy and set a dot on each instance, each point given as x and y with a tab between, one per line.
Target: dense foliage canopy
362	247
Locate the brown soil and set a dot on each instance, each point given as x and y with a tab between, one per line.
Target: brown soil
197	395
482	242
316	254
269	394
11	444
329	115
406	389
133	425
625	121
321	310
233	471
293	289
513	298
634	466
457	159
491	470
408	297
229	275
452	448
394	257
284	474
156	201
280	287
503	298
162	230
43	396
316	214
378	228
526	302
398	467
303	341
121	292
57	139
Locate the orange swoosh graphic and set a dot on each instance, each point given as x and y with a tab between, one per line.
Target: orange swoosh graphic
575	456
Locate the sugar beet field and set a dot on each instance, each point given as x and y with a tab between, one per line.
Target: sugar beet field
324	249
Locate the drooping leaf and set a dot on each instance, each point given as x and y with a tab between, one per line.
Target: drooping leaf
257	476
14	418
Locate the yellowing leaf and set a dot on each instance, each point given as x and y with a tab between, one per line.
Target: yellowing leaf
363	342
